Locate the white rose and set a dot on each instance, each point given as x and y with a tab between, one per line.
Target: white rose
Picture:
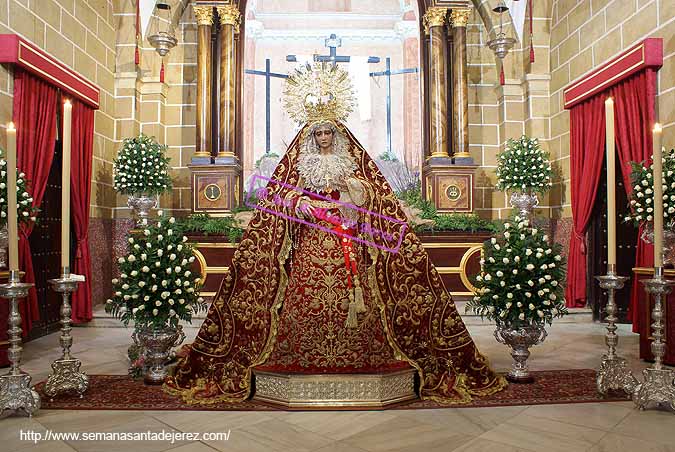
521	316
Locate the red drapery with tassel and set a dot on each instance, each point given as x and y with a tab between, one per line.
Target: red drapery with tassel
80	180
35	103
587	151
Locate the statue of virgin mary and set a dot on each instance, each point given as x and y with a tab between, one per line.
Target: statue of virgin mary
310	290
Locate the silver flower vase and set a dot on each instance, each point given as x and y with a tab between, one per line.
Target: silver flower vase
520	339
4	243
156	344
668	241
524	202
141	204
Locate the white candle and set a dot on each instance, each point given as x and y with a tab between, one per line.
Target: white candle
611	183
658	197
12	223
65	184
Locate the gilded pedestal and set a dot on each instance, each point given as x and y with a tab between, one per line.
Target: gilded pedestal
215	188
449	187
376	390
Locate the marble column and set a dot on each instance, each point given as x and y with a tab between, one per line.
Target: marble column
204	15
434	24
229	23
460	87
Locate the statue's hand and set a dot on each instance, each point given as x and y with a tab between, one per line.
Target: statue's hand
357	191
304	207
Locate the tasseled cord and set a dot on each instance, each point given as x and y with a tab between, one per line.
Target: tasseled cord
161	72
356	305
531	33
501	74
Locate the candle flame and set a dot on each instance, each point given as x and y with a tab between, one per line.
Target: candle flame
10	126
657	128
67	102
609	100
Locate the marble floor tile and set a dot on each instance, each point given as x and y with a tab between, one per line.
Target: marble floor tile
483	445
273	434
544	434
192	447
472	421
649	425
613	442
339	425
602	416
405	434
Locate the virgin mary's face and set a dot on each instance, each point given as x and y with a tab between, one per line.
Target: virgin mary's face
324	138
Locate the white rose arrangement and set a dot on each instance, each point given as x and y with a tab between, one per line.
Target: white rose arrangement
523	166
641	199
156	286
141	166
25	210
520	283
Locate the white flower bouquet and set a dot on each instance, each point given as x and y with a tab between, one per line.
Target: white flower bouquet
641	199
25	210
141	166
156	286
521	277
523	166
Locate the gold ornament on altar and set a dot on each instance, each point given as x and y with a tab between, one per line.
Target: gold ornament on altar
319	92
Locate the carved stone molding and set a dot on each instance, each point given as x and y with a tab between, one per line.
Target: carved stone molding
204	15
434	17
230	15
459	17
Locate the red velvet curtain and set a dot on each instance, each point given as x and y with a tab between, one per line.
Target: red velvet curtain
34	115
587	151
80	179
633	121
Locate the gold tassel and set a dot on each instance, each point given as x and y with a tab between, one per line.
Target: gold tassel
352	319
358	299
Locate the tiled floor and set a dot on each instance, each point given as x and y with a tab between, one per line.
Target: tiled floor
579	427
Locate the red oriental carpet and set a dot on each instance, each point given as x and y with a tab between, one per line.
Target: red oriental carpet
120	392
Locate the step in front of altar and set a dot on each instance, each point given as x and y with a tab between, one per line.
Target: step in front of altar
376	389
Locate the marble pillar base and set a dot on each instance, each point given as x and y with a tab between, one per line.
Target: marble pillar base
200	161
464	161
225	160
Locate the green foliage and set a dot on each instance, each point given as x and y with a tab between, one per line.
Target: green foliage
641	202
205	224
141	166
460	222
269	154
156	286
25	210
388	157
521	277
524	166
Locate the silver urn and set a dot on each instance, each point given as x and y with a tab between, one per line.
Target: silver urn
524	202
520	339
156	344
668	241
141	204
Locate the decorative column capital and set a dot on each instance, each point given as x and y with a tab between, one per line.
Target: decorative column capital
229	15
459	17
204	15
434	17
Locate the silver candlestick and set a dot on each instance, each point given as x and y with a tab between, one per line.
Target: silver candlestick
614	372
657	387
16	394
66	376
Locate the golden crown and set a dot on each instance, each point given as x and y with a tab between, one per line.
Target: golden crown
319	92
